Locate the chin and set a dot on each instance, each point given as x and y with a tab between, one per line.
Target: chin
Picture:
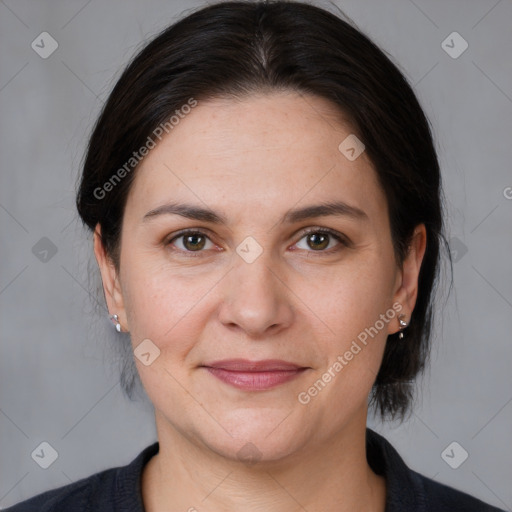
257	435
255	452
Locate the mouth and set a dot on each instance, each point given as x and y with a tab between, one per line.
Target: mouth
254	375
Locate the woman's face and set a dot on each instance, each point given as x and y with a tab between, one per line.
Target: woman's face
254	285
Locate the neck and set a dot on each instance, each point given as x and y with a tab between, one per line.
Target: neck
329	476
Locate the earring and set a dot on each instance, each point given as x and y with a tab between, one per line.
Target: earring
115	320
403	325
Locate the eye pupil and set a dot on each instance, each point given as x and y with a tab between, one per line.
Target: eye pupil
313	237
195	245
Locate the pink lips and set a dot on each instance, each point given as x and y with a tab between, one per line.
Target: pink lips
254	375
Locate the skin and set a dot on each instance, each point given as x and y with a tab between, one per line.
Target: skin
252	160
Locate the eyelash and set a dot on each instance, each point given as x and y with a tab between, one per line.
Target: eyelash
337	236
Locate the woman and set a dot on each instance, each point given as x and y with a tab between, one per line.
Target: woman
264	197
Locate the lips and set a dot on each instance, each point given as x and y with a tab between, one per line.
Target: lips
244	365
254	375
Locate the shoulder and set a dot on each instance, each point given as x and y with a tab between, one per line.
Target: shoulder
410	491
117	488
441	497
81	495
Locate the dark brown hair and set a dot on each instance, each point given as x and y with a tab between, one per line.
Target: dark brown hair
232	49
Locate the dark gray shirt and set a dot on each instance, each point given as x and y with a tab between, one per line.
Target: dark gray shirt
119	489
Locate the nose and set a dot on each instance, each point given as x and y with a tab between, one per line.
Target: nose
256	299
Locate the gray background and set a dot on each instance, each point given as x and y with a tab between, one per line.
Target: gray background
59	379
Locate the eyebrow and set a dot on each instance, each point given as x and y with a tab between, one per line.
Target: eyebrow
336	208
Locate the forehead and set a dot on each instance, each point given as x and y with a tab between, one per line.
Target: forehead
278	148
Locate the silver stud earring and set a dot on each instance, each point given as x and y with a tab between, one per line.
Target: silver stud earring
115	320
403	325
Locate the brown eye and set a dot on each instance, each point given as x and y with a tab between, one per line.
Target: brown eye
318	240
194	242
190	241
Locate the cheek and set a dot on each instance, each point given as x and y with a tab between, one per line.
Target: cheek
341	385
161	303
353	296
162	308
351	305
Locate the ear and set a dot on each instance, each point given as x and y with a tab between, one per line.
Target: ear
407	279
110	279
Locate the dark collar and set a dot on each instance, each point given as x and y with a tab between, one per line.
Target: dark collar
405	490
